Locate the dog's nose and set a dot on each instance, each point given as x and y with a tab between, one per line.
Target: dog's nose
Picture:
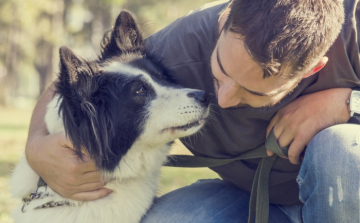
201	96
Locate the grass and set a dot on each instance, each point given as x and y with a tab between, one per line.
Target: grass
13	131
14	123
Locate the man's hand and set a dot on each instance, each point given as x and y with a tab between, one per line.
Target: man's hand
53	159
298	122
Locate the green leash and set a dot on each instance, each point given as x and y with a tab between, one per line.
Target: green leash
259	199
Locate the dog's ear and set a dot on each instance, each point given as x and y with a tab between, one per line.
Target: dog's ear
77	85
77	80
125	37
126	33
70	65
75	73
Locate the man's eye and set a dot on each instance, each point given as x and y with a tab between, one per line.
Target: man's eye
141	90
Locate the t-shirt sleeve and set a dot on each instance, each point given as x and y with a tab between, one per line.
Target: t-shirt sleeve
188	39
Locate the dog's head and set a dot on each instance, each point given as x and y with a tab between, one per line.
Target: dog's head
123	98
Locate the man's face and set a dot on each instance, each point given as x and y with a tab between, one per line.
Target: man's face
238	79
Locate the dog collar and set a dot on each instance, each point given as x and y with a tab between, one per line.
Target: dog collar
42	192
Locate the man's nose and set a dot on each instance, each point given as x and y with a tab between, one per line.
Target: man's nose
227	98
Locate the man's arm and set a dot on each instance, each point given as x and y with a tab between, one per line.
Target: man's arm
53	159
298	122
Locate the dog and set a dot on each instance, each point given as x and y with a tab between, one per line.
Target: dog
124	110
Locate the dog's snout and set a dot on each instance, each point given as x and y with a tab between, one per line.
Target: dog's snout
201	96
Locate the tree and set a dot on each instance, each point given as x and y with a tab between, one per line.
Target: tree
32	32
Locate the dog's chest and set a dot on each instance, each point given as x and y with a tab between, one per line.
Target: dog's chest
129	201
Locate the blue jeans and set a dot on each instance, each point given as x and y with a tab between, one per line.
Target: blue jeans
329	182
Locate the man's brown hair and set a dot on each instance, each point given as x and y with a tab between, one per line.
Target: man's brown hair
287	35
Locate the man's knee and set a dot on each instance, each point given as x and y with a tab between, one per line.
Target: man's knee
334	145
332	154
329	175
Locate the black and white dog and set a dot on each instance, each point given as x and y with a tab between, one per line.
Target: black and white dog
125	113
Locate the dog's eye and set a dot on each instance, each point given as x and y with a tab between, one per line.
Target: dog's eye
141	90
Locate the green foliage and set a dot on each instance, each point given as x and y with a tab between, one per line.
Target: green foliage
114	2
33	30
159	13
13	131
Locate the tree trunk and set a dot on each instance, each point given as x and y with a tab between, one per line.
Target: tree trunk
44	63
47	51
3	73
10	80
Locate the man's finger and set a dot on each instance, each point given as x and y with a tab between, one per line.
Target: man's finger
89	187
272	123
269	153
74	181
91	177
69	191
295	150
285	138
87	165
91	195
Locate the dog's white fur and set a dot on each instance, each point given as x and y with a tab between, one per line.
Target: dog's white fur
134	182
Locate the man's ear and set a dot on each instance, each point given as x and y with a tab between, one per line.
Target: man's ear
318	67
125	37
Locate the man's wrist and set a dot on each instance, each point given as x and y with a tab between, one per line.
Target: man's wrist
344	104
353	107
33	148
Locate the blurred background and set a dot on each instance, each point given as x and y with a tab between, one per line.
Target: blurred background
31	32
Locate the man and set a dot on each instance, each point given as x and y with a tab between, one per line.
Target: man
265	62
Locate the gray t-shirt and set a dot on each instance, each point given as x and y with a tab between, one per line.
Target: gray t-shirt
185	47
